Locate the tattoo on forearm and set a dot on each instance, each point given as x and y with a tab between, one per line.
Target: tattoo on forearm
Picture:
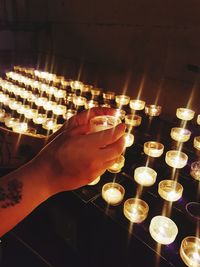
12	194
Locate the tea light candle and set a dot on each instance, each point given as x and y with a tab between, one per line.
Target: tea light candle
100	123
120	113
163	230
196	142
145	176
136	210
59	109
10	122
2	114
31	113
113	193
109	95
195	170
185	114
40	118
76	85
49	124
60	94
95	181
122	100
96	92
20	127
133	120
176	159
90	104
49	105
190	251
79	100
117	166
180	134
129	139
198	119
70	113
137	104
170	190
40	101
153	110
22	109
153	149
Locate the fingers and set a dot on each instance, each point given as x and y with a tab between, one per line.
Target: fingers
80	130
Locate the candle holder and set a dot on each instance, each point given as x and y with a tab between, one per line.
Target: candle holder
60	94
49	124
198	119
122	100
193	211
69	113
170	190
59	110
23	109
195	170
100	123
196	142
120	113
137	104
190	251
176	159
40	118
79	101
145	176
129	139
108	96
96	92
76	85
118	165
91	104
113	193
180	134
2	114
153	110
31	113
185	114
95	181
153	149
49	105
136	210
10	122
20	127
133	120
163	230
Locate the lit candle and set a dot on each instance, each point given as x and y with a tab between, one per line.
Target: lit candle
153	149
10	122
137	104
136	210
40	118
197	142
122	100
60	94
70	113
59	109
95	181
133	120
117	166
49	124
163	230
180	134
79	100
129	139
113	193
109	95
153	110
96	92
176	159
20	127
76	85
195	170
120	113
145	176
100	123
190	251
170	190
90	104
185	114
2	114
49	105
198	119
31	113
23	109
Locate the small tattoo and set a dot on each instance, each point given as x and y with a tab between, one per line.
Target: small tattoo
11	195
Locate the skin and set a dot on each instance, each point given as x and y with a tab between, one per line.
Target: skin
73	157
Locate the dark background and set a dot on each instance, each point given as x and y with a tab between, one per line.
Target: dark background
118	45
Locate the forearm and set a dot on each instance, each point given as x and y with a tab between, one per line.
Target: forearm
21	192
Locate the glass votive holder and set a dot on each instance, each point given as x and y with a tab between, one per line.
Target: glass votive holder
76	85
108	96
79	101
120	113
23	109
40	101
195	170
196	142
163	230
40	118
118	165
153	110
180	134
69	113
176	159
137	104
198	119
185	114
190	251
49	105
113	193
91	104
145	176
60	94
95	181
122	100
129	139
136	210
20	127
170	190
49	124
133	120
193	211
31	113
59	110
10	122
153	149
100	123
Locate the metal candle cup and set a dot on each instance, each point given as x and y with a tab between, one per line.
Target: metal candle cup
136	210
170	190
153	149
163	230
113	193
185	114
180	134
176	159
